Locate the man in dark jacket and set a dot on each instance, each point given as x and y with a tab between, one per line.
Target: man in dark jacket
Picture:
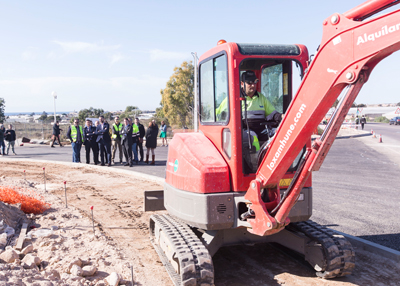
75	134
126	141
142	133
56	134
10	138
2	145
104	140
89	140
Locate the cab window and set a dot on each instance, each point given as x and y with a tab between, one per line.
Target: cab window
274	84
214	104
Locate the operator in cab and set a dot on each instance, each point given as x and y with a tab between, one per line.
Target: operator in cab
256	110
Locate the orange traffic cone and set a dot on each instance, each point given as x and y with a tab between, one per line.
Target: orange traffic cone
380	138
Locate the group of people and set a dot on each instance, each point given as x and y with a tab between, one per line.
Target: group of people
361	121
9	136
128	137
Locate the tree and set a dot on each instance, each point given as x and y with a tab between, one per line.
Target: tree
43	117
91	113
2	108
354	104
51	118
361	105
398	104
131	112
177	99
32	114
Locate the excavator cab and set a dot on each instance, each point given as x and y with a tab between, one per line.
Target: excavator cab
225	116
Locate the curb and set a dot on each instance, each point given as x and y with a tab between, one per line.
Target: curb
353	136
372	247
97	168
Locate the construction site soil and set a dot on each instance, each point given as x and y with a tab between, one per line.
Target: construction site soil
121	238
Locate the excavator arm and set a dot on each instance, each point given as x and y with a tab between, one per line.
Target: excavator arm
350	49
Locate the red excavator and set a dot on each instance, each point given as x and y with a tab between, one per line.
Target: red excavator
226	185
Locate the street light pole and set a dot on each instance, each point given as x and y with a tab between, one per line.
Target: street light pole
195	111
55	97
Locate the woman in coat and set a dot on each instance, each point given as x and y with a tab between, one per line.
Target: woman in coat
151	142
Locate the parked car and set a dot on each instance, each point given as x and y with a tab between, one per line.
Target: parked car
395	120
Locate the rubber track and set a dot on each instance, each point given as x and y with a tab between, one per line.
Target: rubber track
338	251
195	262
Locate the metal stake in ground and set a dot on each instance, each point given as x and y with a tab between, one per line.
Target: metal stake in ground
92	218
44	176
24	175
132	274
65	189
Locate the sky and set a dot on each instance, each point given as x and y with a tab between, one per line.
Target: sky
111	54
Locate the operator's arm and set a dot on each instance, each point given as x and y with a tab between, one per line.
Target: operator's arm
220	112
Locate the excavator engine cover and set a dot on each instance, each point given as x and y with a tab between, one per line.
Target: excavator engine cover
195	165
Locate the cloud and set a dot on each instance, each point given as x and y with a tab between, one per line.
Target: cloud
157	55
29	54
116	58
79	47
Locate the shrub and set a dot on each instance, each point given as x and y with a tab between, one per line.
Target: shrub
382	119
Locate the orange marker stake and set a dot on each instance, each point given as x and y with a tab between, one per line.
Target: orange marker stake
92	218
44	176
65	190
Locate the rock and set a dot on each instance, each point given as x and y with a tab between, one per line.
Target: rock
30	261
124	282
89	270
27	249
53	275
100	283
76	270
9	256
65	276
113	279
76	261
46	283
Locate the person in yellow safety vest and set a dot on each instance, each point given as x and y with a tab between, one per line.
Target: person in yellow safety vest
135	140
75	134
116	139
255	101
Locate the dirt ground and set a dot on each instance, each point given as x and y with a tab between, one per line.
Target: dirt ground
122	238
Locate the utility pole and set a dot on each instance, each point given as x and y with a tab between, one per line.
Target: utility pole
195	92
55	97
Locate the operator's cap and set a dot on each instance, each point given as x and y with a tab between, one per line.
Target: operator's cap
249	76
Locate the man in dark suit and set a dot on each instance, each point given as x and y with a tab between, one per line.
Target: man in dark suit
126	141
89	140
140	139
104	140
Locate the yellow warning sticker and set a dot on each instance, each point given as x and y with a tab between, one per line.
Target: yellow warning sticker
285	182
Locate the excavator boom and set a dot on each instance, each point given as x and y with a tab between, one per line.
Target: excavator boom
349	51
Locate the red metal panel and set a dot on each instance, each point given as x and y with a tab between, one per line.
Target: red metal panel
195	165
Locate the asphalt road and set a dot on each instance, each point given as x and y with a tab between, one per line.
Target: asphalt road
355	191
